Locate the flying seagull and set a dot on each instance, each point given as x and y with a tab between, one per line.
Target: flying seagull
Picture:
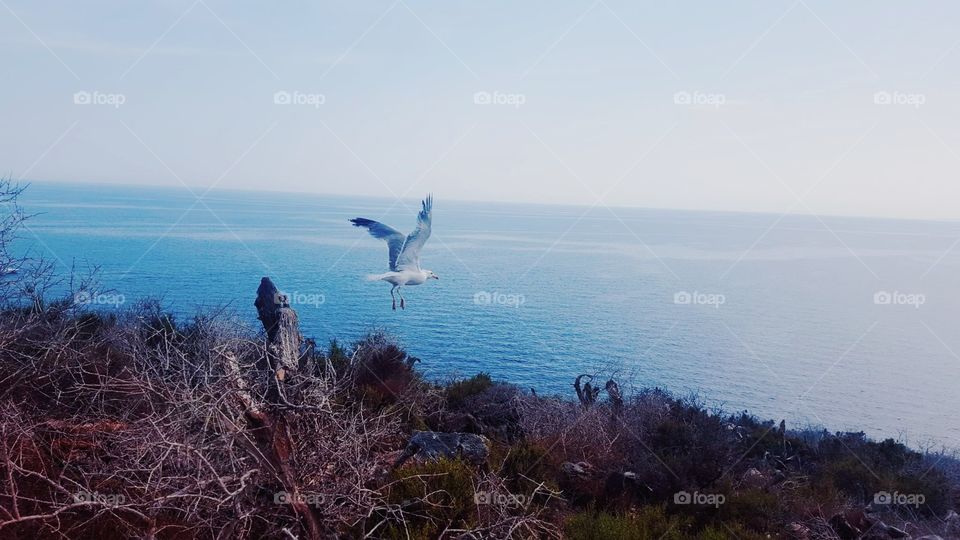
404	251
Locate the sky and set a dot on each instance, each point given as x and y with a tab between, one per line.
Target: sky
799	106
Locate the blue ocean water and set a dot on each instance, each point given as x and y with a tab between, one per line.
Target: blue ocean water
849	323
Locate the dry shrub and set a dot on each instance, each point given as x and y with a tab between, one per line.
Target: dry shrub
133	427
139	425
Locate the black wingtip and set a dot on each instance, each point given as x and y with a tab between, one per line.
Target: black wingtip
361	222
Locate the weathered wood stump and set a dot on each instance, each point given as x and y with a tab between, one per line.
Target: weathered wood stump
267	422
283	335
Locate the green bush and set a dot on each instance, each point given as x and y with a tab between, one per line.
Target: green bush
729	531
694	445
756	508
648	523
381	371
459	391
433	496
338	356
524	466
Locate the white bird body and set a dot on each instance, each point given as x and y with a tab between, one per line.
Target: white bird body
404	251
405	277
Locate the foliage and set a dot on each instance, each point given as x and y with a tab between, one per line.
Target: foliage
142	404
434	496
458	391
648	523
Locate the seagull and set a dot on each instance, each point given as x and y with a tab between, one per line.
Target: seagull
404	251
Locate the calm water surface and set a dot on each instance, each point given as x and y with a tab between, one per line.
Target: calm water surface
787	322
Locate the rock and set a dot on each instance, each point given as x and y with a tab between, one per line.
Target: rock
799	531
580	482
929	537
625	487
580	470
433	445
753	478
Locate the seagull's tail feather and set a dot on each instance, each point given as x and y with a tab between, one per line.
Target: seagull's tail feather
375	277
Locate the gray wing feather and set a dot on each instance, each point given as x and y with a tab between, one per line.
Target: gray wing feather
394	238
410	252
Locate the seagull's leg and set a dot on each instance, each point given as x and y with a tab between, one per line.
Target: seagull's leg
394	297
402	303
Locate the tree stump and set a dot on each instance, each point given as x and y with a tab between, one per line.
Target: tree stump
283	335
268	424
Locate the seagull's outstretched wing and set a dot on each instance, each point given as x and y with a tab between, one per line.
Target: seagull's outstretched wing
410	253
394	238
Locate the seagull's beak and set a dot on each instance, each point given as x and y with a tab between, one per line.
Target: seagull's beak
435	277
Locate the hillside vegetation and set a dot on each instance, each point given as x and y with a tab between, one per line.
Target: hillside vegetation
133	424
137	425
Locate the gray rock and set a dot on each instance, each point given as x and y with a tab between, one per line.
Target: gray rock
581	470
753	478
799	531
433	445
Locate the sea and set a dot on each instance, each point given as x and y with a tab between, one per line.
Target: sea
842	323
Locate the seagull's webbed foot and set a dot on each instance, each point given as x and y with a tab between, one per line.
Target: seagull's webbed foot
403	305
394	304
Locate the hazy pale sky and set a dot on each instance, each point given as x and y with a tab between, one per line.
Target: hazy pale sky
804	106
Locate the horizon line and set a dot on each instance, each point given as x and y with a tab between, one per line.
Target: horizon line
188	187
